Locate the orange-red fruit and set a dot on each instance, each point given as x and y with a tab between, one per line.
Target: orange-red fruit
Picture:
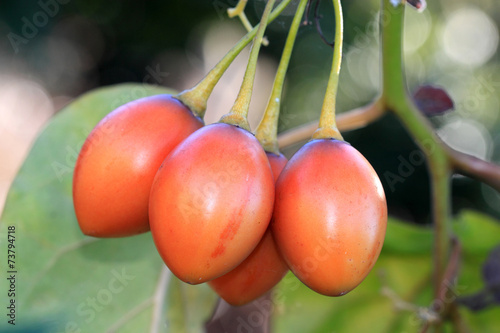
261	270
330	216
118	162
211	202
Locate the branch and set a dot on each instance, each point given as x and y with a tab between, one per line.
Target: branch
459	324
486	172
451	271
398	101
159	299
228	318
346	121
427	315
239	11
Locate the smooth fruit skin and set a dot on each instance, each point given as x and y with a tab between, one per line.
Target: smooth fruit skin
211	202
119	159
261	270
330	216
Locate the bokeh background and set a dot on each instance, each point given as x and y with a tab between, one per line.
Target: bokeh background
52	51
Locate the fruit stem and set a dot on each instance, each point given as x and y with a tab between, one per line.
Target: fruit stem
239	112
267	131
346	121
236	11
239	11
196	98
327	124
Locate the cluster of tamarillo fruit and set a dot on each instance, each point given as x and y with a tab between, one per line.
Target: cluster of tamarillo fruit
223	205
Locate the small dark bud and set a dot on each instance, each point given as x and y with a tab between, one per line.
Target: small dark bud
491	273
432	101
420	5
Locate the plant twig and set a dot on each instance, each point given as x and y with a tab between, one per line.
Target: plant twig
471	166
317	17
425	328
238	115
239	11
196	98
398	101
159	299
327	128
459	324
267	131
450	273
429	316
346	121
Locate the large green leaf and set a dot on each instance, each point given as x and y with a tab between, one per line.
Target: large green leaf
65	281
403	270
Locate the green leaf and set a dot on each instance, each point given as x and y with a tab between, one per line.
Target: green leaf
68	282
403	270
478	232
